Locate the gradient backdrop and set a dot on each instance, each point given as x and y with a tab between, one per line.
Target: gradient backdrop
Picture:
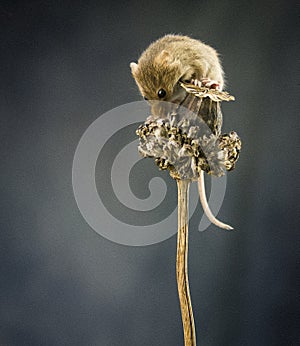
63	64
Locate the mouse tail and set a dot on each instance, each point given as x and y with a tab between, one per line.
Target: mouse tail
205	206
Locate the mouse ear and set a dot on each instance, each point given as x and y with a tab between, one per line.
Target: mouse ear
134	68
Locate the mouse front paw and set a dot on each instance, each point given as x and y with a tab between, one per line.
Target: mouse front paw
209	83
196	82
206	83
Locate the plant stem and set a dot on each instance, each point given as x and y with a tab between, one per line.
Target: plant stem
182	264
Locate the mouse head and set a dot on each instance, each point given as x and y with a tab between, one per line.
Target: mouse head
158	78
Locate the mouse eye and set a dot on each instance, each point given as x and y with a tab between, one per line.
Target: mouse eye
161	93
145	98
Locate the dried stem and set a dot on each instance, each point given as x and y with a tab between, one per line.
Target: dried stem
182	264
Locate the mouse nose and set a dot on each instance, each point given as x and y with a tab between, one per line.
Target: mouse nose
161	109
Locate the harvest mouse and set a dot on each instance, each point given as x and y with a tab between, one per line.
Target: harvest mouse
175	58
167	62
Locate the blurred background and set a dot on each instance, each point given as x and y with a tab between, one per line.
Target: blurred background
63	64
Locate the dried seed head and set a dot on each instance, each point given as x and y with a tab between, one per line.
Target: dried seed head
188	140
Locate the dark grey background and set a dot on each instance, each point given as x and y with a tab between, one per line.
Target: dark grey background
64	63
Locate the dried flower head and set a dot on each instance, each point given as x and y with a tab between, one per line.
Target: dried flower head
188	139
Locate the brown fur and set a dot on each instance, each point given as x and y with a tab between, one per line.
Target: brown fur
173	58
